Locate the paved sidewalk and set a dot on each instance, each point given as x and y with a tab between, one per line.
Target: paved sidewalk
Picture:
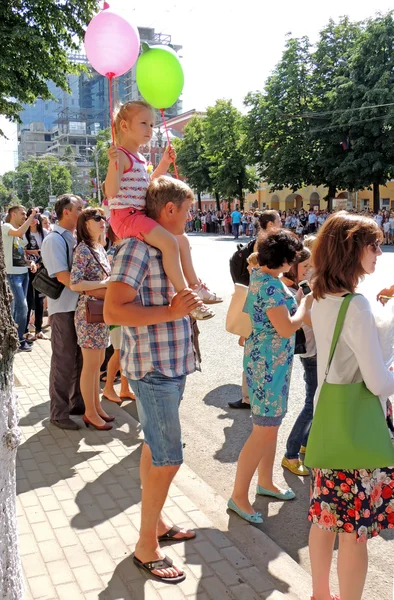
79	512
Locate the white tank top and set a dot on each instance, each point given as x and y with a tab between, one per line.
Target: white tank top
133	184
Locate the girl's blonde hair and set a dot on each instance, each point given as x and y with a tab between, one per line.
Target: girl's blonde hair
125	112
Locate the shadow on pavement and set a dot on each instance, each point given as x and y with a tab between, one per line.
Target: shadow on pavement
97	505
43	461
237	433
202	577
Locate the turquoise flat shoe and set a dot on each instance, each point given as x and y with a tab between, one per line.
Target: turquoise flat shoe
284	495
256	518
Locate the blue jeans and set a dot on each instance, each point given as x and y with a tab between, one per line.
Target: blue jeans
236	230
158	398
19	285
299	434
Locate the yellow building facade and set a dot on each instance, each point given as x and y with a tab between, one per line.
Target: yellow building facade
313	197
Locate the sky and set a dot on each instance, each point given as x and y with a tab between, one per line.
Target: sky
229	48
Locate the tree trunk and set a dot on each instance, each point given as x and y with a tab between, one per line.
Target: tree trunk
241	196
376	198
199	201
332	190
217	197
11	582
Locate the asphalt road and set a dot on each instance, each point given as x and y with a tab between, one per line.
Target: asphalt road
214	434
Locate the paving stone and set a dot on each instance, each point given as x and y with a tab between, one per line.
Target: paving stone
76	556
216	589
208	551
51	551
66	536
90	541
27	544
236	557
226	572
41	588
116	548
254	577
69	591
57	519
33	565
49	503
42	532
60	572
87	578
244	592
101	562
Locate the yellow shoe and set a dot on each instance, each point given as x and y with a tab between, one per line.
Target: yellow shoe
295	467
302	449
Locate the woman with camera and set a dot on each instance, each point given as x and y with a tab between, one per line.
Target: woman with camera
296	443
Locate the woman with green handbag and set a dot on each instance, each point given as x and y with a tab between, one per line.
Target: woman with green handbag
349	447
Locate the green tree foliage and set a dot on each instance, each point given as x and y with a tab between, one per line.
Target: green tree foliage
370	157
100	154
226	152
191	157
35	180
275	135
35	38
318	120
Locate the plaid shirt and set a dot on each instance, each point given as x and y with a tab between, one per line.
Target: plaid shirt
166	347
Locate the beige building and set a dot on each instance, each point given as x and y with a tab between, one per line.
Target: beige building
313	197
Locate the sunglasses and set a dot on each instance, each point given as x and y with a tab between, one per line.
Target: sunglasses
97	218
375	245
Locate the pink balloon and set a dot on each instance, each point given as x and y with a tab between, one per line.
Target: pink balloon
112	44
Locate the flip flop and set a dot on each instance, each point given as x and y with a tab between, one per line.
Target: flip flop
171	533
163	563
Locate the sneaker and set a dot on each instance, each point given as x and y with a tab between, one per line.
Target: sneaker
207	296
202	313
25	347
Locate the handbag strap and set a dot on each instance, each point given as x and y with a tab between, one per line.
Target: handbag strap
338	328
98	262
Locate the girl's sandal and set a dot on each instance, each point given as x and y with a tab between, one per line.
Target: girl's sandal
154	565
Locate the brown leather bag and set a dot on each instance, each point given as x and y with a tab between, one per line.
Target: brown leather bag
95	306
94	310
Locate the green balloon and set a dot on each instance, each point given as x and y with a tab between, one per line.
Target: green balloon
159	76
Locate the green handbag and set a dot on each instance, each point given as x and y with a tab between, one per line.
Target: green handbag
349	429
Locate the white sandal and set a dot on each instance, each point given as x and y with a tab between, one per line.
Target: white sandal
202	313
207	296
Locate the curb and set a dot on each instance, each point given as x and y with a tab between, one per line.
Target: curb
289	578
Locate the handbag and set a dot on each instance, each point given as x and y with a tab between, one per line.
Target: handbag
50	286
300	342
349	428
237	321
94	307
94	310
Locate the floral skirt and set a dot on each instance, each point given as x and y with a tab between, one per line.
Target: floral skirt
353	501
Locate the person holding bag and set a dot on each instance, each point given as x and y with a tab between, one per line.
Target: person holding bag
90	276
268	359
349	447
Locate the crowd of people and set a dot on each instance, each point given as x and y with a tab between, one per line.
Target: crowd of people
134	284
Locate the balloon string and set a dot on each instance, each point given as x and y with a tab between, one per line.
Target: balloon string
111	109
168	140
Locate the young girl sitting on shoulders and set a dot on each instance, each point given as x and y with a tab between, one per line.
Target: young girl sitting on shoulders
126	185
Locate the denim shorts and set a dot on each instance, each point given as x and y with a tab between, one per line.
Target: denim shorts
158	400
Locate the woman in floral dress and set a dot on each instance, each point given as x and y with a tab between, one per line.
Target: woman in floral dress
268	360
356	504
89	276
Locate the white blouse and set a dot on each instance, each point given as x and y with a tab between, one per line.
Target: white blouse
358	355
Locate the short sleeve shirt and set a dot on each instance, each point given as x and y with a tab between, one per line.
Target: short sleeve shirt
165	347
14	251
54	254
236	217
